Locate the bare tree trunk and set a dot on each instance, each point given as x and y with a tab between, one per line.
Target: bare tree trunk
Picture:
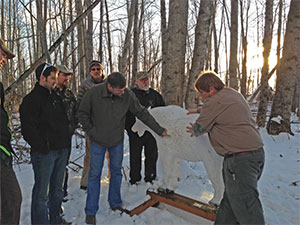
89	50
2	19
81	42
244	34
74	81
267	41
164	40
200	50
177	32
216	41
100	53
286	74
65	46
135	45
34	41
123	59
233	65
279	31
108	39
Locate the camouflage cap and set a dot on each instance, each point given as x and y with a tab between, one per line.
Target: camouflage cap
4	48
64	69
141	75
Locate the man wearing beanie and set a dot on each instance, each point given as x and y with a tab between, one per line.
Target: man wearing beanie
96	77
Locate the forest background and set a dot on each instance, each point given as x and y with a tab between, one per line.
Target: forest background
253	45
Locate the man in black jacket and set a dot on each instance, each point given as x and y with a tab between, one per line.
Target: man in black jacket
10	192
45	127
148	97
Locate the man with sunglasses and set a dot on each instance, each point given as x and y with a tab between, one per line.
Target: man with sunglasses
45	126
10	192
96	77
148	98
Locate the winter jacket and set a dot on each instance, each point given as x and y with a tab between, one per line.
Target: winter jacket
44	123
103	114
227	118
69	100
86	85
5	137
150	98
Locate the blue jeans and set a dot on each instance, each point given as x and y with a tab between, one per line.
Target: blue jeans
97	156
47	192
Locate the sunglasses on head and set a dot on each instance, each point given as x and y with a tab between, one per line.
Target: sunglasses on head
47	65
94	69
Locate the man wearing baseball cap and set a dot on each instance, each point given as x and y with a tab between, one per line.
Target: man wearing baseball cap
69	100
148	97
10	198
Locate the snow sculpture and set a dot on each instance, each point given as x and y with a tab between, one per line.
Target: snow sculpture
180	146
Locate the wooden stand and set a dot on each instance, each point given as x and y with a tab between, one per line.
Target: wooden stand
179	201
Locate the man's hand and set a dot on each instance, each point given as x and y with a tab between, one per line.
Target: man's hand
165	134
190	129
192	111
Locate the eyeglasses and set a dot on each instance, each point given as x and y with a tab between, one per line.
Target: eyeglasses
47	65
94	69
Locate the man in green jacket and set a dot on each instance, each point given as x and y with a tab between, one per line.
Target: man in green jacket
102	113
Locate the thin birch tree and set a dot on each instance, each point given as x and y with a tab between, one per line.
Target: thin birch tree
267	41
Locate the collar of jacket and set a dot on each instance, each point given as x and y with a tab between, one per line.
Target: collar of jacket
42	90
2	94
141	90
92	79
105	93
60	92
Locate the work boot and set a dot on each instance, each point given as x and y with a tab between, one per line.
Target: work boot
90	219
64	222
119	208
83	188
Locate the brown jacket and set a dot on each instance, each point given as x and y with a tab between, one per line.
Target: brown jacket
227	118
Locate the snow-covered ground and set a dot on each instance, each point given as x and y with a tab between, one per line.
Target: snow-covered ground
279	188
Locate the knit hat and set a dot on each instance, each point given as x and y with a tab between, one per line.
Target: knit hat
95	63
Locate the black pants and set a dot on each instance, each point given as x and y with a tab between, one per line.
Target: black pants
10	198
136	145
